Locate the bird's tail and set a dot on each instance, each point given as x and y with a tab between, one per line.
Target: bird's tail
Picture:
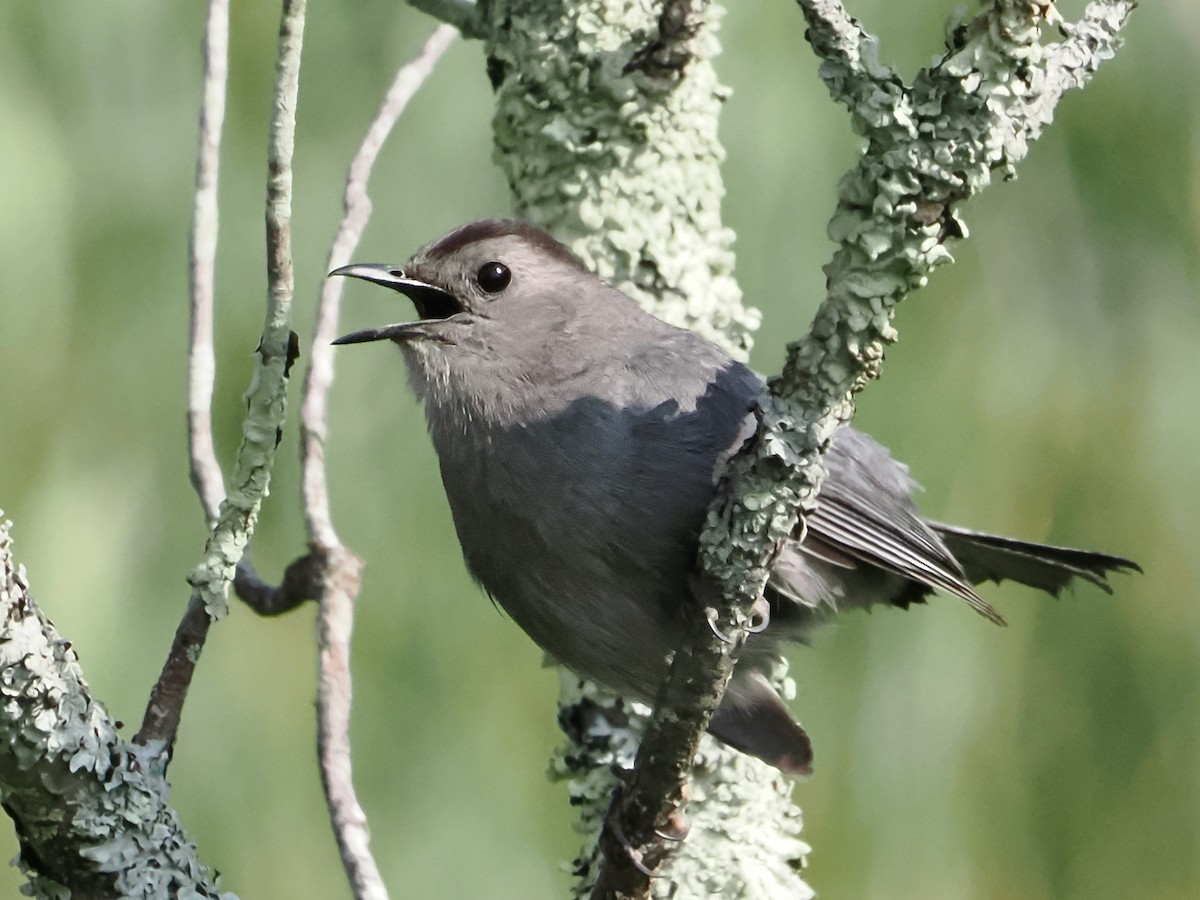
989	557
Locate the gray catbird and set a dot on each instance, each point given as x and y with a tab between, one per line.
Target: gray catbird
579	439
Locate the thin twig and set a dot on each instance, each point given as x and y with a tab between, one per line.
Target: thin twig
357	207
204	469
202	252
266	402
340	569
281	147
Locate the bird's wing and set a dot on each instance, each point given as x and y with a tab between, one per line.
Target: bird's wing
865	512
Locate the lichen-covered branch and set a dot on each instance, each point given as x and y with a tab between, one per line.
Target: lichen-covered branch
930	146
90	810
740	830
606	128
338	569
266	401
600	124
849	56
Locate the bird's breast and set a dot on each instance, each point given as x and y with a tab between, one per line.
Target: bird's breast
582	525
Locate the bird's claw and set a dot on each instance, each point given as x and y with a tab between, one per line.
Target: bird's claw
711	615
760	618
676	828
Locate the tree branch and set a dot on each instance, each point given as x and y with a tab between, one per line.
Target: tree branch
589	140
606	128
850	57
929	147
357	206
342	571
90	810
204	470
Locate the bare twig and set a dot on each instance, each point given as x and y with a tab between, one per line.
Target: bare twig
340	569
357	207
266	403
204	469
202	252
280	271
167	696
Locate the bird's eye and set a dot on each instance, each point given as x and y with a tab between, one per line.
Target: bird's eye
493	277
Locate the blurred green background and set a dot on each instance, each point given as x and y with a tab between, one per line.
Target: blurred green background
1047	386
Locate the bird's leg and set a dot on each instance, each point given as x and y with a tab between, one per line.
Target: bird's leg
612	827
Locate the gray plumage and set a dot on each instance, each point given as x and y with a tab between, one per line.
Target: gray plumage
579	439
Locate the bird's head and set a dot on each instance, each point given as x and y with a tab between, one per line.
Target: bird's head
500	306
479	277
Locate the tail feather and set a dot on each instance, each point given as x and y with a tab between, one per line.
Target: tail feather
989	557
752	718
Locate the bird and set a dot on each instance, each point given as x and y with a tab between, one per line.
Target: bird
580	440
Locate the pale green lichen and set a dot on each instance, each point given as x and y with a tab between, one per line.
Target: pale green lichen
744	838
266	397
618	156
615	150
931	145
83	801
621	161
266	406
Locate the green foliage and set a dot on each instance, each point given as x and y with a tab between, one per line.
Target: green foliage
1045	386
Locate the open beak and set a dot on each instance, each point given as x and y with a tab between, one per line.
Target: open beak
432	302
